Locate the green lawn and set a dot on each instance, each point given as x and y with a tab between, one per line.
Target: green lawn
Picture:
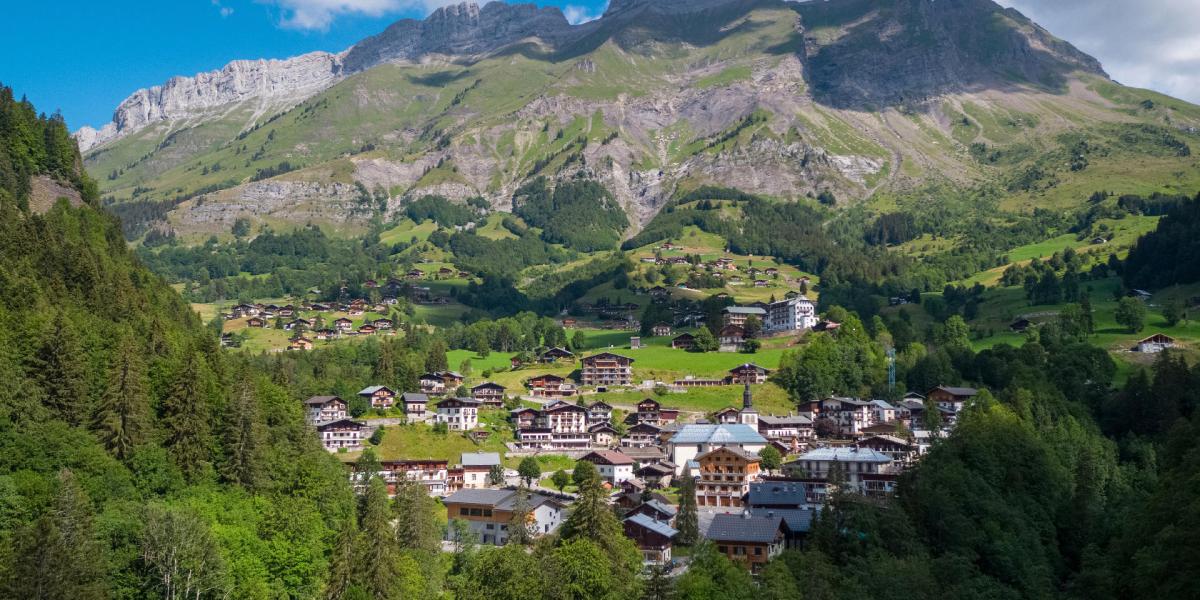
769	399
418	441
406	230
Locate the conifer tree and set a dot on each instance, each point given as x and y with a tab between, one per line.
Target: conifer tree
121	417
343	561
416	527
687	521
59	555
244	438
186	418
519	532
379	565
58	368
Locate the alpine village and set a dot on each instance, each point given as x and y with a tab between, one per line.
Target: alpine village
691	299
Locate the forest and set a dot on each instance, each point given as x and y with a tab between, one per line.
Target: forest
139	460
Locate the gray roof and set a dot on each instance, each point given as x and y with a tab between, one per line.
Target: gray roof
743	528
745	310
958	391
500	499
798	520
846	454
777	493
480	459
718	434
790	420
410	397
319	400
367	391
656	526
883	404
661	507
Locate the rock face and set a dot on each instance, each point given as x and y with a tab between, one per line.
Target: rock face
276	83
460	30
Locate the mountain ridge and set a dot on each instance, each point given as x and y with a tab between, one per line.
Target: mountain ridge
849	97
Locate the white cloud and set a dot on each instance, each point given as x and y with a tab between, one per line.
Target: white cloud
1144	43
224	11
318	14
582	14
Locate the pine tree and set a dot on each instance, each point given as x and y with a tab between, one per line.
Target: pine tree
519	532
59	555
416	527
658	584
244	438
120	420
186	419
687	521
380	561
57	366
342	561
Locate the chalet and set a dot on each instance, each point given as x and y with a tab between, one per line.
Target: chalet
761	283
477	468
325	334
693	440
432	384
556	354
446	272
370	284
607	369
599	412
854	463
287	311
771	271
613	466
489	394
515	362
301	343
728	415
380	396
786	428
748	539
489	512
550	386
602	434
343	324
342	433
649	411
564	417
432	474
641	435
748	373
383	324
725	476
459	414
902	452
414	274
656	474
415	406
737	315
952	398
693	381
452	379
635	343
661	330
731	338
256	322
653	537
1020	325
683	341
568	323
320	409
659	292
849	414
827	326
244	310
523	418
1155	343
367	330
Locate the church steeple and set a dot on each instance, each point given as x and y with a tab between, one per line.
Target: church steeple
748	416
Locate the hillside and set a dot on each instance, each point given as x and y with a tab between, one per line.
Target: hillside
854	98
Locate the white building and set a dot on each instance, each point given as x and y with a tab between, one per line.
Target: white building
459	414
321	409
793	314
342	433
695	439
488	513
857	464
613	466
477	467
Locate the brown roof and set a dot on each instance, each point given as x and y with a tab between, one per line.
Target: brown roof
608	457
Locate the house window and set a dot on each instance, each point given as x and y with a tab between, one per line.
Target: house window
758	551
723	549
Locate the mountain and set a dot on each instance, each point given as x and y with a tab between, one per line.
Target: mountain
859	98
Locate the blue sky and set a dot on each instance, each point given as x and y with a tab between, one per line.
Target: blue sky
86	56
